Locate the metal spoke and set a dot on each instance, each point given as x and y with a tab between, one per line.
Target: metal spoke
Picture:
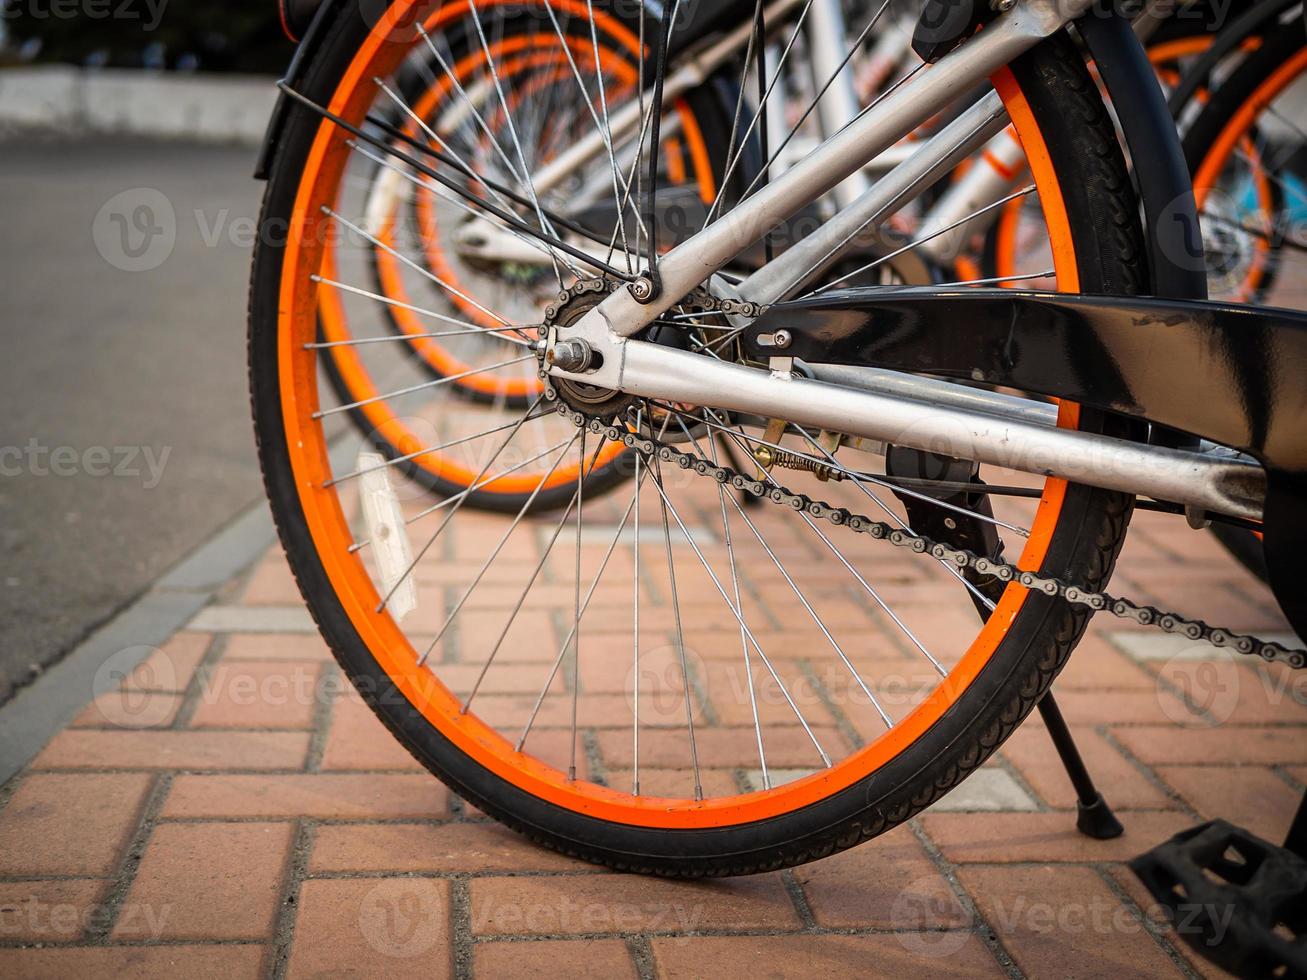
857	477
655	124
485	481
505	216
744	640
396	460
605	128
1252	232
503	540
816	618
904	525
844	658
432	135
461	497
733	145
423	386
472	107
712	347
743	439
907	77
922	241
526	589
735	588
876	597
585	604
633	183
680	633
472	328
739	619
403	337
555	219
1266	172
359	545
853	49
534	241
1270	109
926	163
420	269
512	129
889	512
994	280
867	587
639	142
635	630
762	105
576	605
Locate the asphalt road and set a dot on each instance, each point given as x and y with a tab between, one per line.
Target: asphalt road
124	432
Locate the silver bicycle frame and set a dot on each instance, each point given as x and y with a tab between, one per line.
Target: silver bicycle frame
825	32
1205	482
901	110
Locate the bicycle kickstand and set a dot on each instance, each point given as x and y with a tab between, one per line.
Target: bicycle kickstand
1094	818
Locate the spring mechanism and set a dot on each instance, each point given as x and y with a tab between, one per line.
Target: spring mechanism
767	457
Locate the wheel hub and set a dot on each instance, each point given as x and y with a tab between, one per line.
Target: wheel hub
593	400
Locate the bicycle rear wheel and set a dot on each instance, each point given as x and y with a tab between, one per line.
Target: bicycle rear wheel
691	687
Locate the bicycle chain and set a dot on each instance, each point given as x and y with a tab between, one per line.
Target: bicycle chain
1150	616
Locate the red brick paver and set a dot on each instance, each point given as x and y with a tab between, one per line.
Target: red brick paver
233	809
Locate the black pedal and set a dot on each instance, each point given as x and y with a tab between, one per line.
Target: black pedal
1236	899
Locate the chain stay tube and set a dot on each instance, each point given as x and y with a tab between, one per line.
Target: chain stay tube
1122	608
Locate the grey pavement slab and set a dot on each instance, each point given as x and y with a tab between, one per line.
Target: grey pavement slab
125	438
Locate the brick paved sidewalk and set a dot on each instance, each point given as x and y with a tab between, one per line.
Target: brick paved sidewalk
234	810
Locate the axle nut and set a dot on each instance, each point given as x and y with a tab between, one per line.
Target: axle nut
574	356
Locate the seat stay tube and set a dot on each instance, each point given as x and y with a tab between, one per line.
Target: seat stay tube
694	260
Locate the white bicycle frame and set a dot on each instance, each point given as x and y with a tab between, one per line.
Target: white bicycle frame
991	433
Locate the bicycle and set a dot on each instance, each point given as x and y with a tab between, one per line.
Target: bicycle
706	376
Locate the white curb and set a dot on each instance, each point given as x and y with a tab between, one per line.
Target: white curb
211	108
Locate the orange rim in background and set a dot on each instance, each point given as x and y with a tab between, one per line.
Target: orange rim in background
1235	131
350	367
